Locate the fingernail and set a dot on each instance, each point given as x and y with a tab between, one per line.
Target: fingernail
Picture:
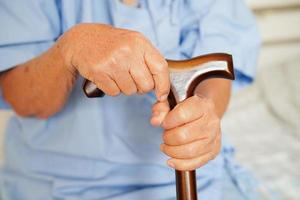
171	164
163	97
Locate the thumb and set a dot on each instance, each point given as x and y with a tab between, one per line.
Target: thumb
159	111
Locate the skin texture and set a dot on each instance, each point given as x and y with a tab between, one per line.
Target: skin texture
119	60
192	135
39	87
116	60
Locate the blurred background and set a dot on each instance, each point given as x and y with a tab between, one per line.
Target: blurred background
263	120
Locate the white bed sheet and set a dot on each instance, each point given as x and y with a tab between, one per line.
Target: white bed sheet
263	123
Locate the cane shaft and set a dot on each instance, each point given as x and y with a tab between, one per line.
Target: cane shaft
186	185
186	188
185	76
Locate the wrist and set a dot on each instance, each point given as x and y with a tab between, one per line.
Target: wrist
66	46
70	44
60	55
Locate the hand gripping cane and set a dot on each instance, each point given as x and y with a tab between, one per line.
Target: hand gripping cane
185	75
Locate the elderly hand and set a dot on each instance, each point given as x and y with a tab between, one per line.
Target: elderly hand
192	133
116	60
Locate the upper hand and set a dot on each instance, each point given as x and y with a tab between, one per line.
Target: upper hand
116	60
192	133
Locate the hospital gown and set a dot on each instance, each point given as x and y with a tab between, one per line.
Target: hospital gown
105	148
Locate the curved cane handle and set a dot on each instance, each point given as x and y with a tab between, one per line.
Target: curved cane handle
201	67
185	75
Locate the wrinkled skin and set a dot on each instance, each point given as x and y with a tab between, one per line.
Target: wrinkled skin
116	60
120	61
192	133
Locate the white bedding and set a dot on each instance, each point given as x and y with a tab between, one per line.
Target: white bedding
263	122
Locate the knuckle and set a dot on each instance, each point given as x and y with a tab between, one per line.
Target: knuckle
112	65
95	71
198	99
125	49
208	102
133	90
115	73
148	86
146	90
136	37
162	66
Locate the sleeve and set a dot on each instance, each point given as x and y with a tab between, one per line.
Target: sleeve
27	29
226	26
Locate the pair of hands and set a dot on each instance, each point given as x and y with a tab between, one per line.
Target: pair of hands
123	61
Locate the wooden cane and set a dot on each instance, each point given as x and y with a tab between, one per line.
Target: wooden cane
185	75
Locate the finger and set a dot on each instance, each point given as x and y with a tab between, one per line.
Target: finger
158	67
192	164
190	132
125	82
142	77
159	112
186	111
161	106
106	84
188	151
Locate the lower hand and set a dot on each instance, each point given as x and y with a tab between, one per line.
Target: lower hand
192	135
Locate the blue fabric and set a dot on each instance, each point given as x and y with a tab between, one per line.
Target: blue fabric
105	148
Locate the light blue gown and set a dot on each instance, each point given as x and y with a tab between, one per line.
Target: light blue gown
106	148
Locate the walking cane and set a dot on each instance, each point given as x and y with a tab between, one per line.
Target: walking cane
185	75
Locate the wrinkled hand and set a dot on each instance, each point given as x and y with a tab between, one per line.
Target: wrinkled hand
192	135
116	60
